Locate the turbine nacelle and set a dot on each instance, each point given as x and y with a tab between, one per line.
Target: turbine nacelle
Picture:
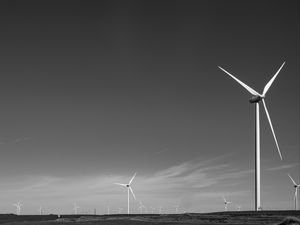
255	99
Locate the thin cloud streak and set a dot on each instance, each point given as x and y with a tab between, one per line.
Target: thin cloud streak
282	167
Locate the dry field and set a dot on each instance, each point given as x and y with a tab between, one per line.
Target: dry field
218	218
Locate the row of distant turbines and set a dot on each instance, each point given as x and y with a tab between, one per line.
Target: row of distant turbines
142	208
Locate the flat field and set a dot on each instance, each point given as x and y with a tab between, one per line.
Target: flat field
217	218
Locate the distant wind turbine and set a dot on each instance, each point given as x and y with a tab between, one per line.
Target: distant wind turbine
152	210
108	210
226	203
159	209
176	208
40	210
141	207
296	186
120	210
76	207
256	98
128	189
18	207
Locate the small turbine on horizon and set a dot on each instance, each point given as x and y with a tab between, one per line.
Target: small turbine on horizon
152	209
120	210
108	210
176	208
238	207
256	98
160	209
296	186
128	189
226	203
40	210
76	207
18	207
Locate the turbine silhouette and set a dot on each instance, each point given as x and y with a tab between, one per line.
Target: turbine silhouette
128	189
256	98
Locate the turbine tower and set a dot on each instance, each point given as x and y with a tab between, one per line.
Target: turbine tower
18	207
128	189
296	186
226	203
256	98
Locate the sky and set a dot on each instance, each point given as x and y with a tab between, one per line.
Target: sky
93	91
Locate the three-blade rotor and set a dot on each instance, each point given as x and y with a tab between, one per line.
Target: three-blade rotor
296	189
128	185
262	96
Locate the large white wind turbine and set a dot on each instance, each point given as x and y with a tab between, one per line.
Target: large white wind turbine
256	98
296	186
18	207
226	203
128	189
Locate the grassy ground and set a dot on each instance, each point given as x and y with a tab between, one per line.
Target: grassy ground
243	217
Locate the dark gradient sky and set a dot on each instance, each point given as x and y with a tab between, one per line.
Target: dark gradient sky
92	91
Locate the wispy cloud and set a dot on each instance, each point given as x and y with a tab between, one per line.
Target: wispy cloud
282	167
184	182
21	139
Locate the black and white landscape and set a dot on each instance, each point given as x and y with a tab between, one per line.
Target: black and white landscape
153	96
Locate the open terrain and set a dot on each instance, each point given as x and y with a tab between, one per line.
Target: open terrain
243	217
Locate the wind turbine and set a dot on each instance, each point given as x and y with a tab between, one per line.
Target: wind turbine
176	208
128	188
159	209
296	186
152	209
107	209
238	207
76	207
18	207
40	210
120	210
226	203
141	206
256	98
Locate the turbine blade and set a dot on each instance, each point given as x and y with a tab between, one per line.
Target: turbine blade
132	192
224	199
132	178
124	185
268	85
292	180
252	91
270	122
